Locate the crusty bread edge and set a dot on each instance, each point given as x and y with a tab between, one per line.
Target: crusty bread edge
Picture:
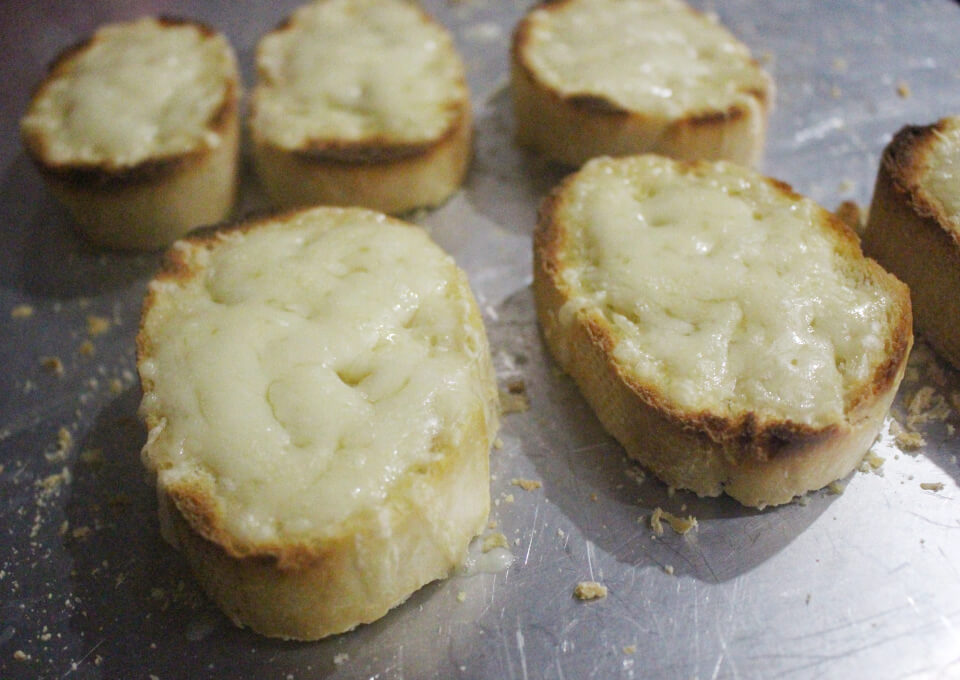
390	179
574	129
148	205
307	591
757	464
908	233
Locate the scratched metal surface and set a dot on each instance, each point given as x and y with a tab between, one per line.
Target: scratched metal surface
863	584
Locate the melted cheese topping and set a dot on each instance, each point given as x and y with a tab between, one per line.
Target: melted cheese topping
356	70
655	56
311	366
941	175
720	289
136	91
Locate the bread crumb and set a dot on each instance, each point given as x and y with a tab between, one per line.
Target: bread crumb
903	89
19	655
931	486
926	405
86	349
681	525
590	590
836	92
21	312
80	532
508	498
594	497
494	540
668	568
116	387
909	441
92	457
840	64
52	365
97	325
837	487
526	484
513	403
872	462
561	533
53	482
630	649
461	596
341	659
498	443
492	524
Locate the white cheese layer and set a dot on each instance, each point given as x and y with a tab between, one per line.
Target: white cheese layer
941	176
357	70
720	289
312	366
654	56
137	91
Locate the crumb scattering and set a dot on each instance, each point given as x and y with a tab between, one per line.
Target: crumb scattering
681	525
931	486
590	590
494	540
97	325
526	484
52	365
513	403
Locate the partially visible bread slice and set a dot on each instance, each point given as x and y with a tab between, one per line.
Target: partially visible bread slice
913	228
360	102
135	131
320	400
728	332
607	77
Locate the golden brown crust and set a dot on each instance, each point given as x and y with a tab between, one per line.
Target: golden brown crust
757	462
908	233
573	128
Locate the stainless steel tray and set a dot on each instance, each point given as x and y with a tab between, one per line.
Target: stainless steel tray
863	584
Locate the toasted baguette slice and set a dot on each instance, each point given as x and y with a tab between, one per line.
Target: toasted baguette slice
606	77
360	102
135	131
320	401
913	228
728	332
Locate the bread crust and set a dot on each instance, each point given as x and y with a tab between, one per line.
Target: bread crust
572	129
758	463
356	571
908	232
378	172
149	204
